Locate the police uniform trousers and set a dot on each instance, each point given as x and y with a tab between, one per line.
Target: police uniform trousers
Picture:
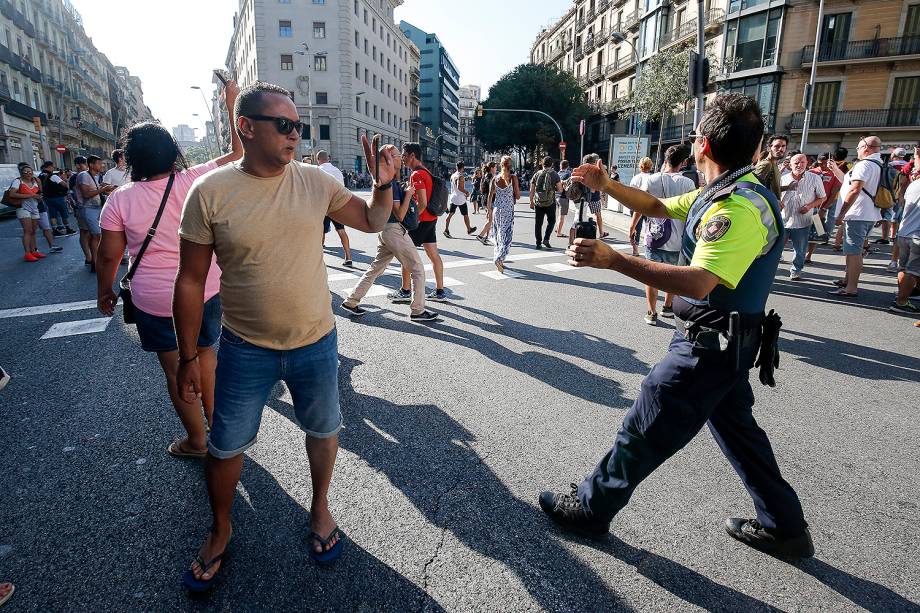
690	387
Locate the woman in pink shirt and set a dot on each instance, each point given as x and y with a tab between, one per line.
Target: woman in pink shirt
152	155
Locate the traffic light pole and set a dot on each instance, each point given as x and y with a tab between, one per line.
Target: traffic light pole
480	111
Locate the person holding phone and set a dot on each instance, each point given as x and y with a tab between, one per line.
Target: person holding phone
92	188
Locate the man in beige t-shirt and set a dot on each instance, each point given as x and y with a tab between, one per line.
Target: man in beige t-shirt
263	219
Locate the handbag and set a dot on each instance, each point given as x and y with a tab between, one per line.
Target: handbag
127	304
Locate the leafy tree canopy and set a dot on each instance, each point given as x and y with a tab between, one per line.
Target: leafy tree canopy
536	87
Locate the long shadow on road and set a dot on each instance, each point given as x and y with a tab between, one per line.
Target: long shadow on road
850	358
431	459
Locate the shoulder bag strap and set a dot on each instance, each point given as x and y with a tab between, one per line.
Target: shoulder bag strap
126	280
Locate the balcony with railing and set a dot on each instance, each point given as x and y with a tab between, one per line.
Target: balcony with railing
713	17
23	111
5	95
603	5
863	120
579	52
555	52
877	49
94	128
590	43
596	74
582	80
7	9
24	24
630	21
621	65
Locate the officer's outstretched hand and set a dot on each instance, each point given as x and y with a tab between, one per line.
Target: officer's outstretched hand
592	175
594	253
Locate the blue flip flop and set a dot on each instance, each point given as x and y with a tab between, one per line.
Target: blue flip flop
199	586
330	556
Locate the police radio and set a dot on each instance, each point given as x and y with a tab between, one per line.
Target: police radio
585	229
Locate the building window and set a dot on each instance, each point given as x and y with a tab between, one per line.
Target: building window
357	105
356	13
740	5
322	97
287	62
357	40
751	41
764	90
319	29
357	71
323	129
284	1
285	30
319	1
319	63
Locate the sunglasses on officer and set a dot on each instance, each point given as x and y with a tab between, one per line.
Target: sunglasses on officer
282	124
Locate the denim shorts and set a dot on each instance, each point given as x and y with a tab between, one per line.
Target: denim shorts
909	255
158	334
662	256
246	375
91	217
854	236
80	214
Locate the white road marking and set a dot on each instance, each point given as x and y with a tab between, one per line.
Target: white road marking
72	328
374	291
508	274
342	276
556	267
451	282
48	308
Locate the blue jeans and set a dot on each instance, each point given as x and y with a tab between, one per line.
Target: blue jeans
246	375
799	239
57	207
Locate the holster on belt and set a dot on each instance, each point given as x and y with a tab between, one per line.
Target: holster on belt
768	358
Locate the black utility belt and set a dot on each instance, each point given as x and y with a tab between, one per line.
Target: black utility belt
741	338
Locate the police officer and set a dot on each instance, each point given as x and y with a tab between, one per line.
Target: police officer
731	247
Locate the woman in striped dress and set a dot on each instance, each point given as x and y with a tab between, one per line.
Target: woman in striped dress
504	193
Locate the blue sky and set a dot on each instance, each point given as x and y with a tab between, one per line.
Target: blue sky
181	41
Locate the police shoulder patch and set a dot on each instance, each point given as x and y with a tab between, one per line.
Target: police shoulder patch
715	228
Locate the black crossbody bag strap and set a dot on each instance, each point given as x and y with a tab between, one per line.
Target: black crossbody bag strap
126	280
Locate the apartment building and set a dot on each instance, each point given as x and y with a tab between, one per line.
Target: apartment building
439	103
55	86
345	63
415	120
868	74
600	41
470	152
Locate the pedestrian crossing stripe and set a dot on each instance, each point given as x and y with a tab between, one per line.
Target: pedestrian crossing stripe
556	267
500	276
72	328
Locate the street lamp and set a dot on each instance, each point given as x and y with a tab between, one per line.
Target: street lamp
617	38
207	106
480	111
207	136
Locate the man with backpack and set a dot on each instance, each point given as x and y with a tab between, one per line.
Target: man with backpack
430	201
861	190
544	185
394	241
55	192
458	201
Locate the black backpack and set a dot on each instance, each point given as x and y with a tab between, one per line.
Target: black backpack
437	199
51	189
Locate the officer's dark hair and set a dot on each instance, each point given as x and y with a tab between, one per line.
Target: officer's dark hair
675	155
79	160
117	155
46	164
251	100
781	137
150	150
733	125
841	154
413	149
93	158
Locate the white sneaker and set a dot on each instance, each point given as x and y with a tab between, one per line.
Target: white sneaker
4	378
795	276
892	267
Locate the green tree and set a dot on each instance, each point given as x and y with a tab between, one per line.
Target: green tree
535	87
197	155
662	88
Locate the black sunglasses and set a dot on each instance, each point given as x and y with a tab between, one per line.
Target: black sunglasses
693	135
282	124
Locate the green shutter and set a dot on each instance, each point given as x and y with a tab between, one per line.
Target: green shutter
912	23
906	93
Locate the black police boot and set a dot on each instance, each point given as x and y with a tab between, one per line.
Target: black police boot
751	533
567	511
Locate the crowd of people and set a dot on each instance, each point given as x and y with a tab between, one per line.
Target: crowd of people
203	269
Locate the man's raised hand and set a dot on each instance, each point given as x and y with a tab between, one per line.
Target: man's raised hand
389	164
591	175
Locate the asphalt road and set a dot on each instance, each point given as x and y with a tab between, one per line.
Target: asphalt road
452	429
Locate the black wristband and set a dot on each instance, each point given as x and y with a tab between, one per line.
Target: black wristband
383	188
183	362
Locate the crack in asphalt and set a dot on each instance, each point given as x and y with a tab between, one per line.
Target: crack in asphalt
426	598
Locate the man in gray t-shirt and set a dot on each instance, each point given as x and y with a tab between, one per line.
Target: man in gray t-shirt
90	190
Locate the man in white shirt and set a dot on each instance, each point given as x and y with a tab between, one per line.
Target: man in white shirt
803	192
118	174
322	160
857	211
458	198
663	235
